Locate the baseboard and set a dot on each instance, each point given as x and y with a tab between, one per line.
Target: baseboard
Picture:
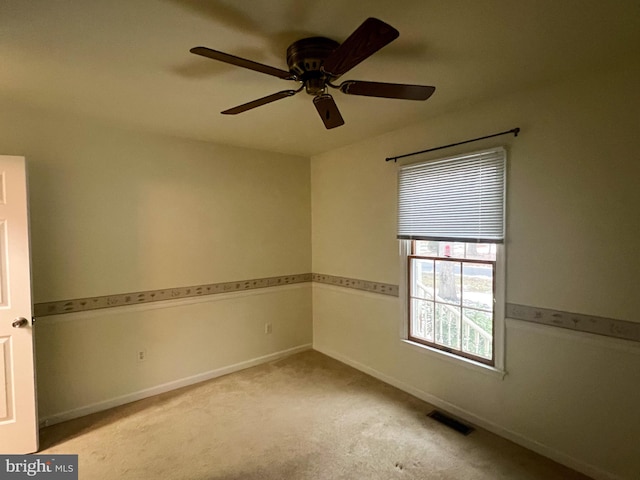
166	387
515	437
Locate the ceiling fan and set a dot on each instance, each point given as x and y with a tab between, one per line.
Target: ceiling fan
316	62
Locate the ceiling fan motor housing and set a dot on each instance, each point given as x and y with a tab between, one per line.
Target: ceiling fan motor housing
305	59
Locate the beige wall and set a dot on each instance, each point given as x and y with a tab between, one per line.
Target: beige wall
88	361
572	237
116	211
150	212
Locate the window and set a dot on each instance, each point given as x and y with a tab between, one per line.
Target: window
451	218
451	297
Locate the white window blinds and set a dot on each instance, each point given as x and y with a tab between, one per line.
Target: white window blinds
460	198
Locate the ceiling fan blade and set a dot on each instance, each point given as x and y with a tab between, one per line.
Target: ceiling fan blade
242	62
387	90
259	102
367	39
328	111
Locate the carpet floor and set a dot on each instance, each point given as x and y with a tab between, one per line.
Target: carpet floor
306	416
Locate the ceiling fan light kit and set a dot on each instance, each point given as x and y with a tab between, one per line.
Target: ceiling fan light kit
316	62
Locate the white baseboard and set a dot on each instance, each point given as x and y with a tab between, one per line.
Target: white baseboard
166	387
515	437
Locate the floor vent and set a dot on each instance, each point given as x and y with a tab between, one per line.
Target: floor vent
450	422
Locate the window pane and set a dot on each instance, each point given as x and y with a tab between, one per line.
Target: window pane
481	251
448	326
473	251
448	282
422	281
477	286
477	333
451	249
425	248
422	319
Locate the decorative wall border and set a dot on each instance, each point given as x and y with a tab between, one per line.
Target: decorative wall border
573	321
609	327
119	300
365	285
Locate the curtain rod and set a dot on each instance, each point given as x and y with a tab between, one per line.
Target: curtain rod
515	132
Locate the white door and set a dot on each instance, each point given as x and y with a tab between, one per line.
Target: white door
18	412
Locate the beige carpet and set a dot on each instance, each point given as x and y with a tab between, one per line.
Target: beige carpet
303	417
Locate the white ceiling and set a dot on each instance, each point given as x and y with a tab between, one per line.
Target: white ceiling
128	60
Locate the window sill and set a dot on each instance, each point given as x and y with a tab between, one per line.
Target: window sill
460	361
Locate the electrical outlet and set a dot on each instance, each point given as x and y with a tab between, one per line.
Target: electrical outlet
268	328
142	355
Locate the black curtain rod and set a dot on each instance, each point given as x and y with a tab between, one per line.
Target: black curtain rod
515	132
